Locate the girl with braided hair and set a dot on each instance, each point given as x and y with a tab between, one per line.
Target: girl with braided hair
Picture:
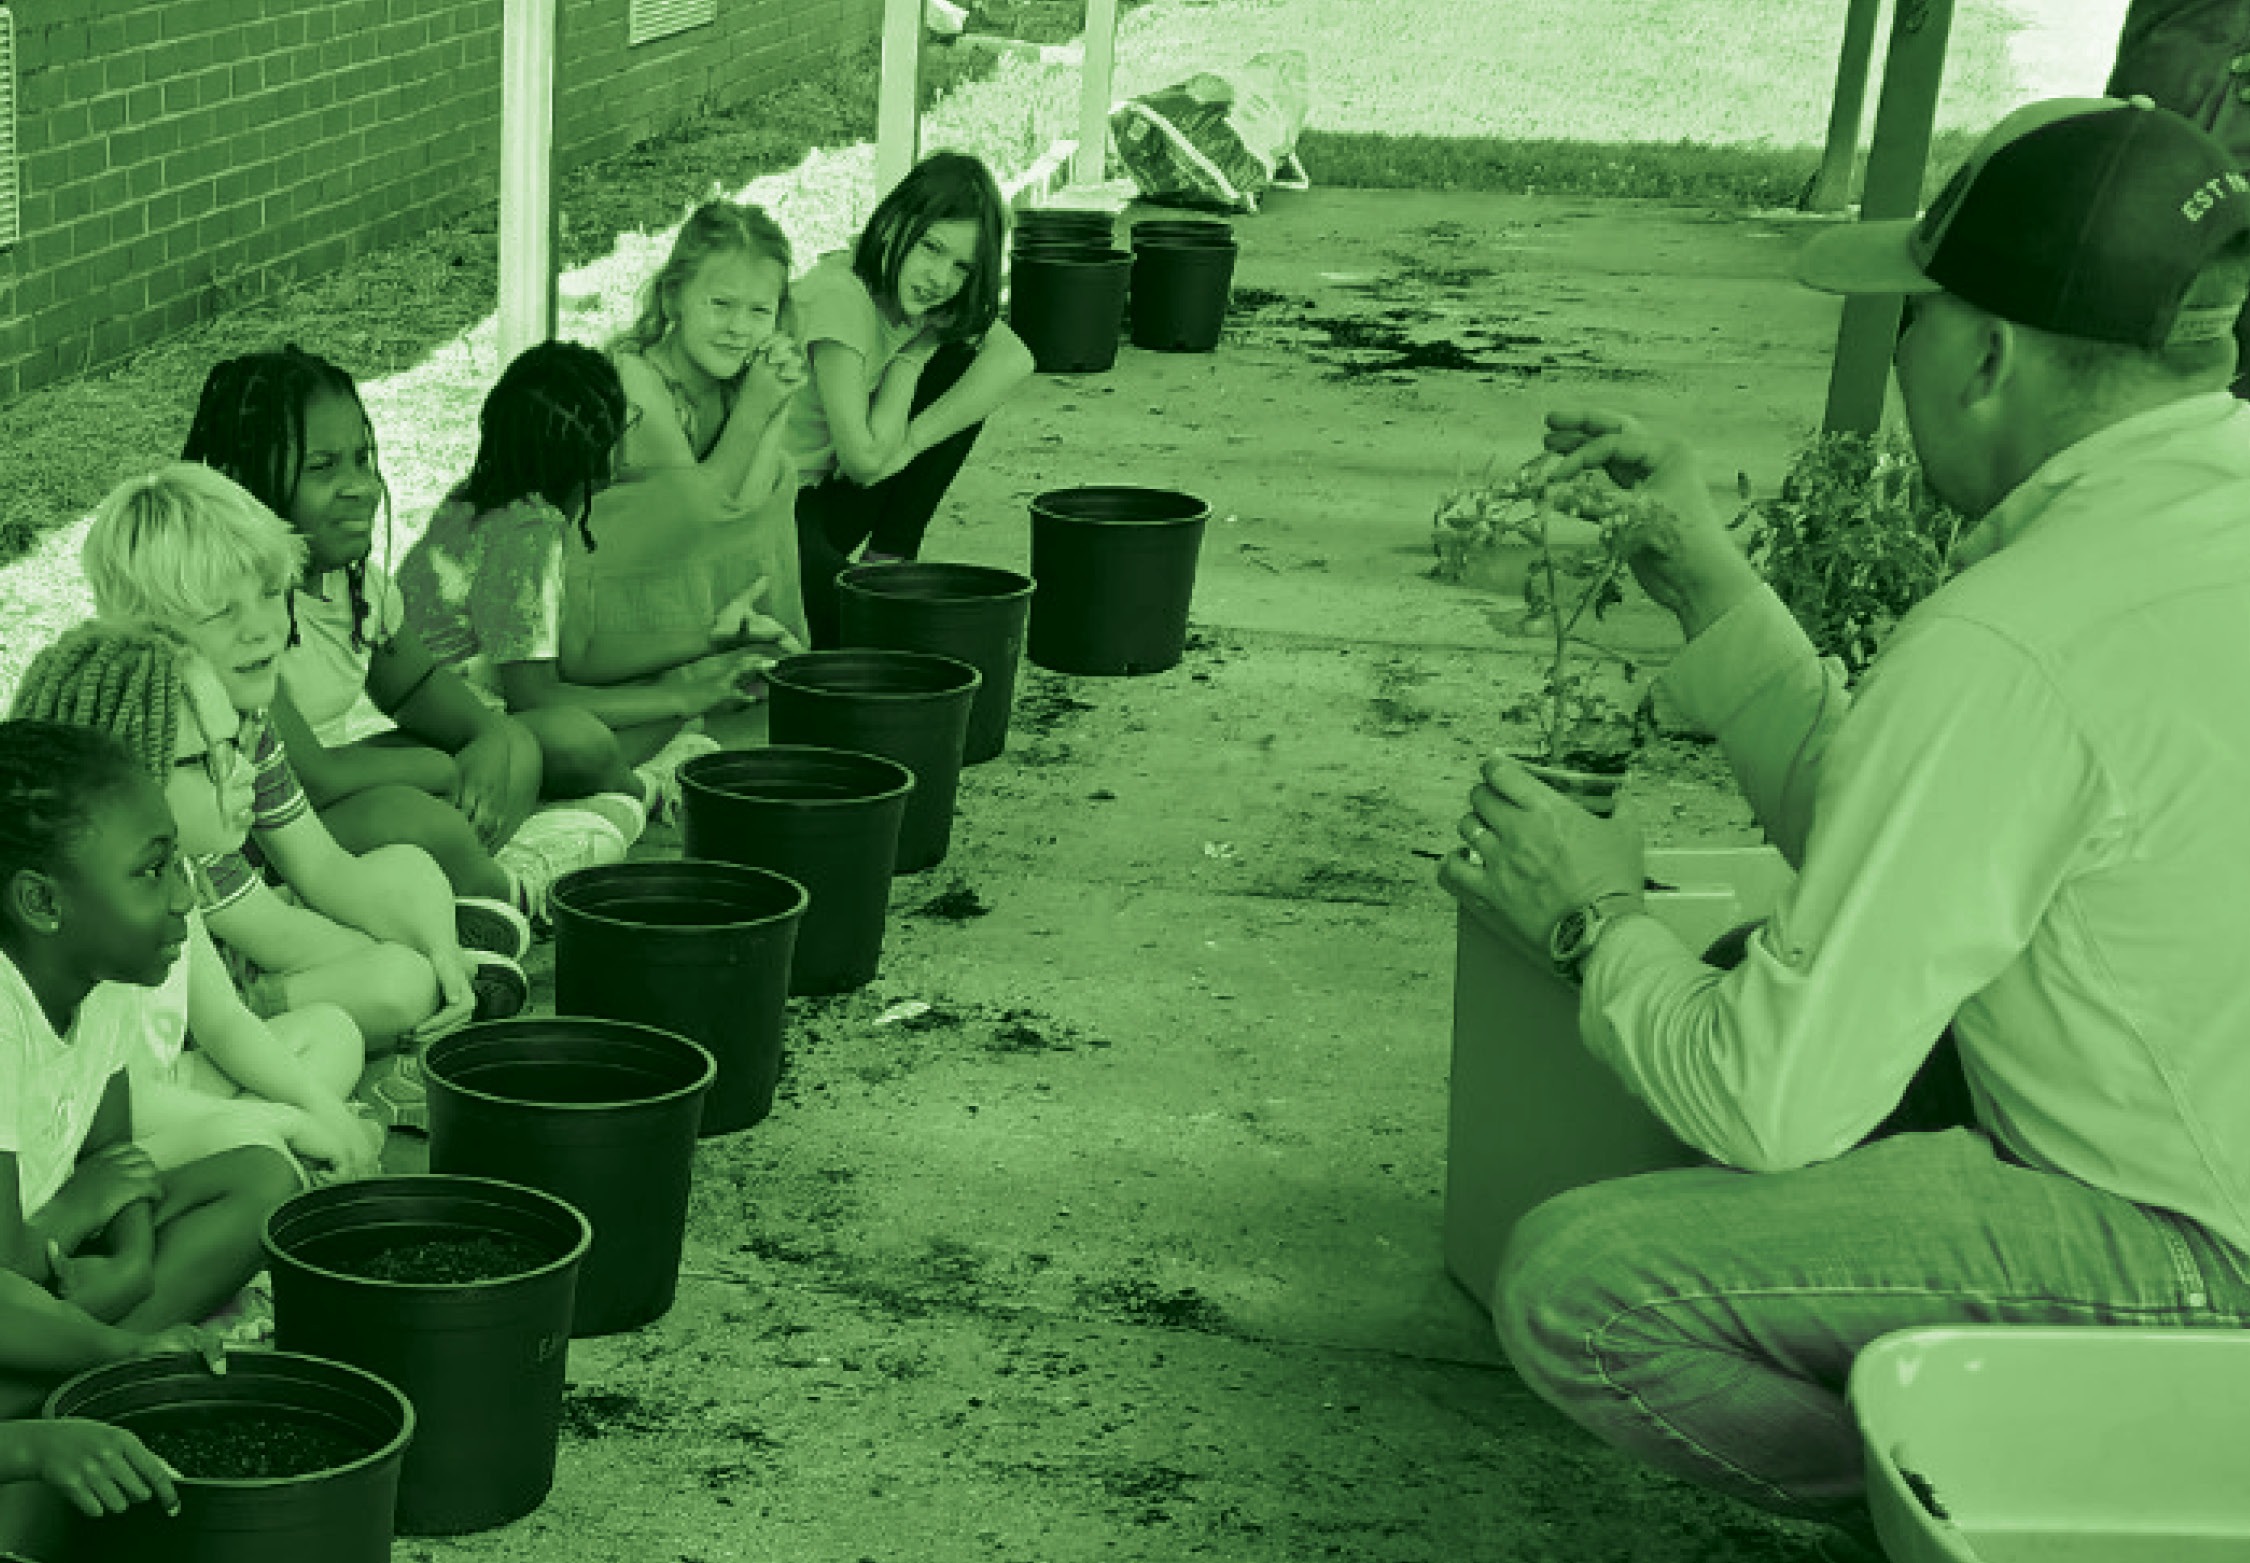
121	1258
699	533
484	586
389	744
186	549
282	1082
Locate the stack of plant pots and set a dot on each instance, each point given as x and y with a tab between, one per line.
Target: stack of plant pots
1183	273
1067	289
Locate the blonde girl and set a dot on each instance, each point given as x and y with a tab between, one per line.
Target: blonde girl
698	534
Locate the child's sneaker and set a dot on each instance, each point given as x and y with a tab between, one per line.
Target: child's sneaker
628	813
659	773
501	987
247	1319
481	923
555	842
400	1100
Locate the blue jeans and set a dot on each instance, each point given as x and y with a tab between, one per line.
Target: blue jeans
1705	1320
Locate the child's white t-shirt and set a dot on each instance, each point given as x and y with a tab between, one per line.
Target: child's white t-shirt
326	677
50	1086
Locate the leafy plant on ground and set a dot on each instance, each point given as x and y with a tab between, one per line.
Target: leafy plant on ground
1852	542
1579	726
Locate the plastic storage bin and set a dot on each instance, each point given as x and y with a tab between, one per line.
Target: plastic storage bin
2062	1444
1532	1113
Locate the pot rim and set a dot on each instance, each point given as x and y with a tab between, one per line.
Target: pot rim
902	787
436	1182
486	1028
393	1447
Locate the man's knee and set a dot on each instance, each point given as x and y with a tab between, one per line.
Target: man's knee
1549	1296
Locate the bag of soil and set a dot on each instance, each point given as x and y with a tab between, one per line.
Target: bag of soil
1220	139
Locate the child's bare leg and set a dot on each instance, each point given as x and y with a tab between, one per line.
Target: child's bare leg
385	816
325	1037
208	1226
581	755
387	989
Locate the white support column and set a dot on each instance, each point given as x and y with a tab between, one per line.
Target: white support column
527	142
1091	164
898	117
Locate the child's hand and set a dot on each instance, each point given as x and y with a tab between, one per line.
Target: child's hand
741	624
332	1136
457	1000
724	679
109	1180
102	1284
500	773
100	1468
187	1340
777	369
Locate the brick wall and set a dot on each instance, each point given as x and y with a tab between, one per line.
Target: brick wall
178	157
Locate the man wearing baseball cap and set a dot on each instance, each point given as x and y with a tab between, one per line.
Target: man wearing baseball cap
2029	822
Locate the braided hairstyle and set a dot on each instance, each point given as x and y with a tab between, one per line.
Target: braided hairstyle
127	680
250	425
550	427
53	778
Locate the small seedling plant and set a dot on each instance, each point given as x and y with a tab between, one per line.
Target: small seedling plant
1579	726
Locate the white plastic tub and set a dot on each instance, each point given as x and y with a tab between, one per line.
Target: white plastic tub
2060	1445
1532	1113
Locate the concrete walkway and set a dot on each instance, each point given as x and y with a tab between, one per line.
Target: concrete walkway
1134	1252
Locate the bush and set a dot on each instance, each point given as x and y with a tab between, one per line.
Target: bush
1853	541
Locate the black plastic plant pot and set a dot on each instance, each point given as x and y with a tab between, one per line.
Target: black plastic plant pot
688	946
908	706
1179	296
303	1456
474	1329
970	611
603	1115
1116	574
1173	230
828	819
1065	219
1067	309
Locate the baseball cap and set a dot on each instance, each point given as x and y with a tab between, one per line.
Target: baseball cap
2087	217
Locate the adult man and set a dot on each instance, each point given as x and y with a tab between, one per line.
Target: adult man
2029	821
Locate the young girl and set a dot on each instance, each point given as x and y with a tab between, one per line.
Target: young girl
484	585
453	776
186	549
698	533
909	357
244	1081
94	897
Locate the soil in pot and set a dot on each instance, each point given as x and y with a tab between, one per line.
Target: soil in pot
222	1443
443	1261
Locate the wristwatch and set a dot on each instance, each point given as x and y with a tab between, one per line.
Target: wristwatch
1578	929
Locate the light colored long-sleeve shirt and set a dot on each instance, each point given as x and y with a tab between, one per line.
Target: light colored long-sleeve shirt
2033	821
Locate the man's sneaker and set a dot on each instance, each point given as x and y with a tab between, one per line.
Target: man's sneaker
481	923
659	773
552	843
501	987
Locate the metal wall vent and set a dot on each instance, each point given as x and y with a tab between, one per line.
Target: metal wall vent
652	19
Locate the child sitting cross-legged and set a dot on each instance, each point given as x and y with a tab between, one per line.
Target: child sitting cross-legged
485	584
388	742
102	1256
283	1082
186	549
